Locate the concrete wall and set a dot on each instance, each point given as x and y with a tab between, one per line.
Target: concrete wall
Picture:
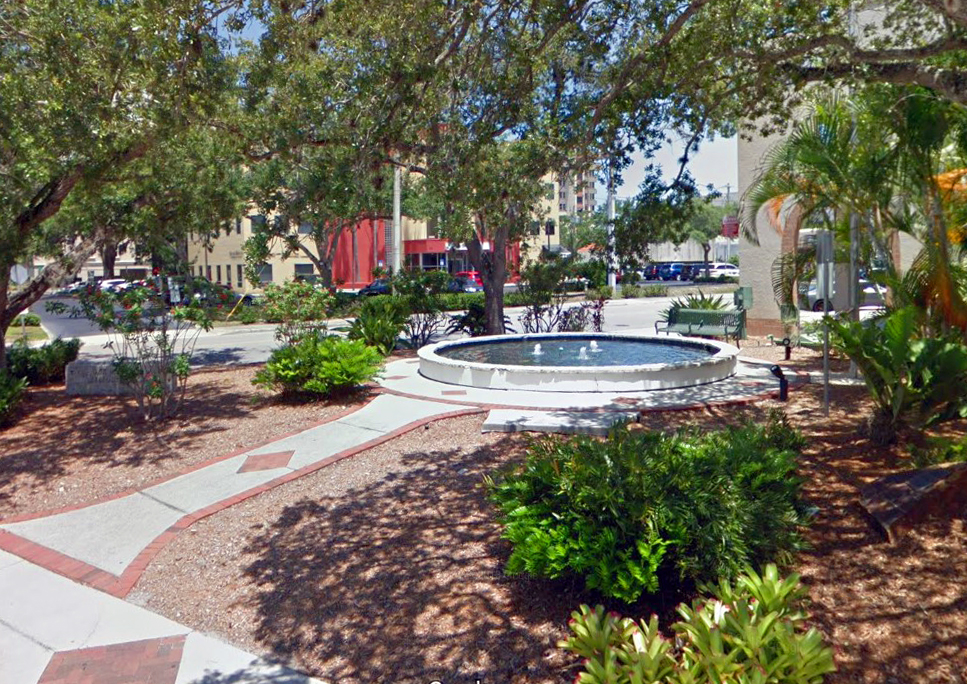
755	261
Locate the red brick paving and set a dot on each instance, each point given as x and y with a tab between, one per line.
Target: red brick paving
277	459
152	661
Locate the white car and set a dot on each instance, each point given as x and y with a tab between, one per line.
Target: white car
116	285
871	295
722	271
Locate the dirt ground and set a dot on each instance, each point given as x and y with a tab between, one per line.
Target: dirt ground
387	567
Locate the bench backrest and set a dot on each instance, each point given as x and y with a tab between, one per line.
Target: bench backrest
726	317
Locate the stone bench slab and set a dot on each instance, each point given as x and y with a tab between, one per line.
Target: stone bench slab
900	500
563	422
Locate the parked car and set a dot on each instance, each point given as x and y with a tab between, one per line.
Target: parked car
114	285
472	275
463	284
380	286
650	272
870	295
672	271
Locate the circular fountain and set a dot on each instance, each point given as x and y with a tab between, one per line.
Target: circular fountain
578	362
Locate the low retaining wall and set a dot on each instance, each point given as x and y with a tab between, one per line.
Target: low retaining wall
96	377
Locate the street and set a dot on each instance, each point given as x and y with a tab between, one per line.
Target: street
254	343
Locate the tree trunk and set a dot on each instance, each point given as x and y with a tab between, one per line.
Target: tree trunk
12	305
109	256
323	259
492	267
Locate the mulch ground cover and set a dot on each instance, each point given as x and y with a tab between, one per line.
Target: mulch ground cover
387	567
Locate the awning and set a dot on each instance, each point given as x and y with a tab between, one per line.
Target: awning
428	246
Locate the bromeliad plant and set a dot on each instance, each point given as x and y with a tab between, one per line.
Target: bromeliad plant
380	322
749	633
915	381
639	508
152	345
695	301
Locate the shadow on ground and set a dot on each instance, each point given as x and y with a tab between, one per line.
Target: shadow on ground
402	581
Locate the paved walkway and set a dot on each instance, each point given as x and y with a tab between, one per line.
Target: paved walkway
56	630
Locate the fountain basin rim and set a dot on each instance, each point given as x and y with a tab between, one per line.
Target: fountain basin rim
719	351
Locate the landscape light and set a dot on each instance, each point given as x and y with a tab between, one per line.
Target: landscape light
783	382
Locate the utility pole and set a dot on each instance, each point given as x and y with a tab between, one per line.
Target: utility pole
397	260
612	271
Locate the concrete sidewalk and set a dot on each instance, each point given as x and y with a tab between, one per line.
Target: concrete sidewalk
55	630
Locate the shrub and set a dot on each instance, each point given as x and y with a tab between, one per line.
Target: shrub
640	506
630	292
654	290
915	382
460	301
247	315
380	322
42	365
11	393
298	308
421	292
474	322
604	292
752	632
28	319
512	299
318	364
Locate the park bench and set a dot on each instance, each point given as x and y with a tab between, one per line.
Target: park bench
728	323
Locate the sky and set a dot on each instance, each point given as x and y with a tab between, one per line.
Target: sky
715	162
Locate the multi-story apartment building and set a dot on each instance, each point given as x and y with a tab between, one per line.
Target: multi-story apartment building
576	193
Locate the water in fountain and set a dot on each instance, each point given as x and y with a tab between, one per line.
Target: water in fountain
583	354
594	347
537	350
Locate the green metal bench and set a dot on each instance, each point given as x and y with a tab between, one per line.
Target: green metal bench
727	324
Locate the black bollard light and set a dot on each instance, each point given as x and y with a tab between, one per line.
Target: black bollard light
783	383
787	343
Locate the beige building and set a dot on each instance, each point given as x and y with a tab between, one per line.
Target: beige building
359	252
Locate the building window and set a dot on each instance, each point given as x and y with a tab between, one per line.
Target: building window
265	273
238	226
241	280
305	229
208	271
228	274
305	272
257	221
218	273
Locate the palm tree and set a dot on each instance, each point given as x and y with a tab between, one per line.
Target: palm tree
876	156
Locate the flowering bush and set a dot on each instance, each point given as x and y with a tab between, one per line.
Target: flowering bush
298	308
152	345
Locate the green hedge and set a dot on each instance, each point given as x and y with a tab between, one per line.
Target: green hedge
42	365
32	320
319	365
642	506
